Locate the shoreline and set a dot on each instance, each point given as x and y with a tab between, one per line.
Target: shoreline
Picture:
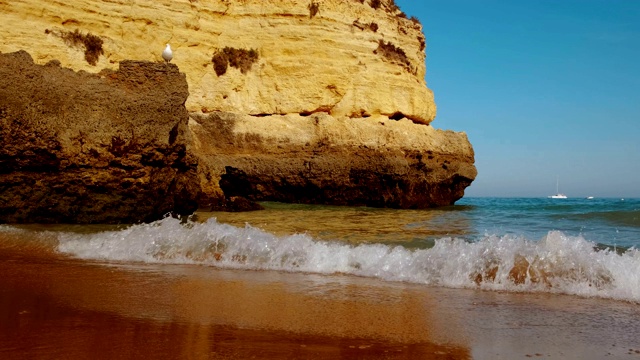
58	306
67	308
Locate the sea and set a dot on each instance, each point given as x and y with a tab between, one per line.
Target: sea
484	278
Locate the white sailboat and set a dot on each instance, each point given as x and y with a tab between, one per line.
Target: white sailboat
558	194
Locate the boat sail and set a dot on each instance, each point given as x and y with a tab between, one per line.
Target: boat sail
558	194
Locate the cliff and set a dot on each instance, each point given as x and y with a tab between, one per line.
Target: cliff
297	101
329	60
84	148
319	159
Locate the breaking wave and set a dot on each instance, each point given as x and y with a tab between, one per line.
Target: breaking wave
557	263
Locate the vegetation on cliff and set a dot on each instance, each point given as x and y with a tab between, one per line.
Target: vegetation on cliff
92	44
394	54
364	26
240	59
314	8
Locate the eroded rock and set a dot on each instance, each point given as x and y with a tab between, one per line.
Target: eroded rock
325	62
87	148
320	159
322	102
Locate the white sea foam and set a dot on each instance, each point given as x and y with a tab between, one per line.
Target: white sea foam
557	263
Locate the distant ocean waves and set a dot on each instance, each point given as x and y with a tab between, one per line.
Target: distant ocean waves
557	263
630	218
612	222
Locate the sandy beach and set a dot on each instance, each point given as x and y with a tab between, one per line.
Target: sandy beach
52	306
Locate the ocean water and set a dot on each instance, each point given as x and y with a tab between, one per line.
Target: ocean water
585	247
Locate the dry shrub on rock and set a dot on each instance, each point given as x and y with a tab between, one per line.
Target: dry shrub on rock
92	44
240	59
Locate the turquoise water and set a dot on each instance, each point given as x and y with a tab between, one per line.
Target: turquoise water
607	221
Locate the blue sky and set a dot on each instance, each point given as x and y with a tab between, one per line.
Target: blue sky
544	89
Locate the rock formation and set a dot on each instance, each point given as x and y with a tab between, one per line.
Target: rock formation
298	101
319	159
85	148
330	60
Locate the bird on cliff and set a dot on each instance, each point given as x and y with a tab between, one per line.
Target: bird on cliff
167	54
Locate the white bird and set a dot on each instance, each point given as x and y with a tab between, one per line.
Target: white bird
167	54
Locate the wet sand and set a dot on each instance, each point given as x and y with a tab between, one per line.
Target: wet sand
53	307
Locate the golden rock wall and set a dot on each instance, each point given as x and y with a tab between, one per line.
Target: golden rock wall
330	60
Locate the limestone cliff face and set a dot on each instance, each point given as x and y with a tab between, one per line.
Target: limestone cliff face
342	57
85	148
320	159
320	101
